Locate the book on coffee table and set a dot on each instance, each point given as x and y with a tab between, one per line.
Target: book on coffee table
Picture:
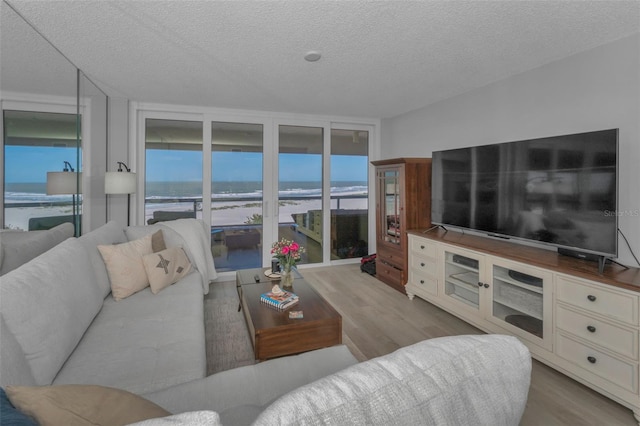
279	301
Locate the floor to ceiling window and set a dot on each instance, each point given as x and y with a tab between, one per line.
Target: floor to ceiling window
36	143
300	188
349	193
173	170
236	195
258	181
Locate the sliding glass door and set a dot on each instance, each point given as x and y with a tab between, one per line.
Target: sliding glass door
300	210
258	181
349	193
236	195
173	173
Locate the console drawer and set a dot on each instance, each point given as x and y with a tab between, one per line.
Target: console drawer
422	247
596	299
423	282
621	373
618	339
423	265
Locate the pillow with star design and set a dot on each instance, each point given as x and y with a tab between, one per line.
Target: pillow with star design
166	267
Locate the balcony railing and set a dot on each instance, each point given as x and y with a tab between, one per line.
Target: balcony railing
192	203
197	202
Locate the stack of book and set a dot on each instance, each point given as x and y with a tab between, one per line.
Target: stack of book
281	300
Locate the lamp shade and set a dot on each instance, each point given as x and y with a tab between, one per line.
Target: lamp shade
59	183
120	183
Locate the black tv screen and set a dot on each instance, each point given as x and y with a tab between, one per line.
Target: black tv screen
558	190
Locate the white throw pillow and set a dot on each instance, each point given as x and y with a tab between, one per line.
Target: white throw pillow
166	267
124	264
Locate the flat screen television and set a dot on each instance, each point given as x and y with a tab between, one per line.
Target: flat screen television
559	190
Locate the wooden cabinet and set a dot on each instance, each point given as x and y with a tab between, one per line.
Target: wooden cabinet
571	317
403	202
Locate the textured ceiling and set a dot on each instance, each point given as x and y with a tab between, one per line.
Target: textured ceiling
379	59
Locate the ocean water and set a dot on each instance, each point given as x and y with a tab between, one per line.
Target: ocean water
36	192
230	200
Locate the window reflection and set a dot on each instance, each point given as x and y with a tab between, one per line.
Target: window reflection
36	143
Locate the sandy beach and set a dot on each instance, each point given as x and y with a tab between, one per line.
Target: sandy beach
222	213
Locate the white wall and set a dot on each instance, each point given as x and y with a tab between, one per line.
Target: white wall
593	90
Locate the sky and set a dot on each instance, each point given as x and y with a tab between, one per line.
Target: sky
26	164
30	164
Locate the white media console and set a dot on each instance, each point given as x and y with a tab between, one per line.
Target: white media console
573	318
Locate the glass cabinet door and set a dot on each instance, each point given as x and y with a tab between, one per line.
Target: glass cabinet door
389	181
518	299
462	279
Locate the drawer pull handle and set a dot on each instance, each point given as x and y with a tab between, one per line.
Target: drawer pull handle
421	281
422	264
591	328
422	247
591	359
479	284
591	298
486	285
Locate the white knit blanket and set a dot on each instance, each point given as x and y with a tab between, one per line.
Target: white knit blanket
193	418
198	238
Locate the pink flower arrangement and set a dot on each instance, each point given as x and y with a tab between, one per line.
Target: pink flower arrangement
287	252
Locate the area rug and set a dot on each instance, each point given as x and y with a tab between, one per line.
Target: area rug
227	339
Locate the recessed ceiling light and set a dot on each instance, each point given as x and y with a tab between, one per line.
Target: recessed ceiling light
312	56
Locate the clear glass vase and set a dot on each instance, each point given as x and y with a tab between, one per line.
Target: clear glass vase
286	279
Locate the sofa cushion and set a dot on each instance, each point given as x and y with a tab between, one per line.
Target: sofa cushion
110	233
14	367
457	380
143	343
165	267
48	304
252	387
126	270
17	248
82	405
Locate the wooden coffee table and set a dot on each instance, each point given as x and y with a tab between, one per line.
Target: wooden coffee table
272	332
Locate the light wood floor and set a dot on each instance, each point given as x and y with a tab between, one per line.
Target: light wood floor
377	320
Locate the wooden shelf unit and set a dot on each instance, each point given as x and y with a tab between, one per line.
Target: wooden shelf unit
403	202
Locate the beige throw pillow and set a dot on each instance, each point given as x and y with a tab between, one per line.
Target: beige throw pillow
82	405
124	266
166	267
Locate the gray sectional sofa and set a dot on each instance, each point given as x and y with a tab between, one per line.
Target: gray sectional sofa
60	325
59	310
